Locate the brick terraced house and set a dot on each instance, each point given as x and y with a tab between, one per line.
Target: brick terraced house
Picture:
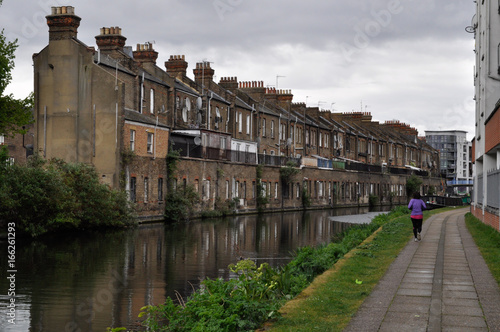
115	108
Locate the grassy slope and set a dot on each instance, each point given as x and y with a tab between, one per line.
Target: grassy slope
335	296
488	242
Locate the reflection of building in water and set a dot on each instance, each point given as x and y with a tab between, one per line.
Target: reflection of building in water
103	284
104	280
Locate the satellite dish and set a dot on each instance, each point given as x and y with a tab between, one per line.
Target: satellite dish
197	140
199	103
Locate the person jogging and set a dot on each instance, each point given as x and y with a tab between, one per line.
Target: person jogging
417	207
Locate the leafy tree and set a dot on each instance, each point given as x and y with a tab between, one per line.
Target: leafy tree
14	113
413	184
48	196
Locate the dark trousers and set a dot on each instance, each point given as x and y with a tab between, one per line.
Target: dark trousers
417	226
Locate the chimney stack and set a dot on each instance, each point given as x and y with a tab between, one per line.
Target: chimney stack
176	66
229	83
145	53
63	23
110	39
254	89
203	72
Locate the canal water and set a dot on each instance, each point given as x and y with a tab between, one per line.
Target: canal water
93	281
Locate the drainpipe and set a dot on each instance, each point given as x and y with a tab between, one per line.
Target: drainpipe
208	108
155	138
142	94
45	131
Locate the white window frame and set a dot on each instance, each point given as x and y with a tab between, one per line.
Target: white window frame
146	190
132	140
152	101
150	142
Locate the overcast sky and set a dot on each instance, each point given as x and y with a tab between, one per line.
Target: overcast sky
407	60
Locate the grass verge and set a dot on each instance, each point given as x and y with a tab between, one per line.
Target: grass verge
335	296
488	241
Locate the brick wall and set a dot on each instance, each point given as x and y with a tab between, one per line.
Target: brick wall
160	140
488	218
492	132
213	179
15	145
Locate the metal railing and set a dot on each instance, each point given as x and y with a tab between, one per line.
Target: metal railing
493	189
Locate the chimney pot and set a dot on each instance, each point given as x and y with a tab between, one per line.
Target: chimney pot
62	22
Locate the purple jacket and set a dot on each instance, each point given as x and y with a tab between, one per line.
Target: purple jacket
417	207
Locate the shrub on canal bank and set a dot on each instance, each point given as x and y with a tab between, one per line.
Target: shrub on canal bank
256	294
48	196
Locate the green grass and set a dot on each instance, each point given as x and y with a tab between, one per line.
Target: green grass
335	296
488	241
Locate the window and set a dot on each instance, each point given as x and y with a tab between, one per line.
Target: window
152	101
223	143
177	102
160	189
185	109
227	189
240	122
2	139
276	190
206	189
218	118
248	124
150	142
272	128
146	190
253	189
320	140
132	195
143	97
263	127
132	140
237	189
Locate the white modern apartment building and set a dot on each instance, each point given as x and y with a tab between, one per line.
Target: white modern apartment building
455	157
486	144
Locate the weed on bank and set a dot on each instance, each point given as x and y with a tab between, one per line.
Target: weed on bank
256	295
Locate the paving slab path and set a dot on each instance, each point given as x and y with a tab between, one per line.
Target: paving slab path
438	284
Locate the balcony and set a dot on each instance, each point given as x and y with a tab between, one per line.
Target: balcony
460	183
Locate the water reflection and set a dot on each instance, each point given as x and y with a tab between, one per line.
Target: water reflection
99	280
